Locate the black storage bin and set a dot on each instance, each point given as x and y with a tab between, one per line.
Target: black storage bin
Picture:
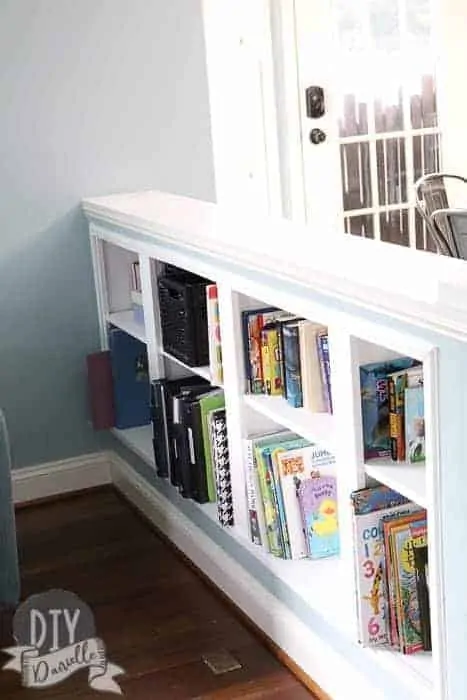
183	318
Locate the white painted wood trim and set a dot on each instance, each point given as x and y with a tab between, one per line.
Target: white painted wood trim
319	660
65	476
347	268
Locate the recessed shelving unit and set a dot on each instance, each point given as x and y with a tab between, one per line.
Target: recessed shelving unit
139	440
326	587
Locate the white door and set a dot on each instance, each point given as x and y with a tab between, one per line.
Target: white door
375	61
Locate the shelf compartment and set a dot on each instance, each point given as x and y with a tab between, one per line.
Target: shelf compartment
139	440
316	582
203	372
125	320
405	478
417	669
316	427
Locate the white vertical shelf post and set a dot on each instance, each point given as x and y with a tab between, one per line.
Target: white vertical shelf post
148	272
434	518
232	362
348	450
98	264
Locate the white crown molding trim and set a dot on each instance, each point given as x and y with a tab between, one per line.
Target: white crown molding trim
65	476
328	669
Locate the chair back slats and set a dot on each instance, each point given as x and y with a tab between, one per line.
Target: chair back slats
432	202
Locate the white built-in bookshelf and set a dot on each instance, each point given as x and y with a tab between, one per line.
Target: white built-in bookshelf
155	227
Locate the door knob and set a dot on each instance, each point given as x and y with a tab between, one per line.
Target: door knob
317	136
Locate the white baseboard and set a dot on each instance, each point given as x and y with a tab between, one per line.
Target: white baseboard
318	659
66	476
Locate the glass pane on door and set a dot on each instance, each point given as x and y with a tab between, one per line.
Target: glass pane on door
387	112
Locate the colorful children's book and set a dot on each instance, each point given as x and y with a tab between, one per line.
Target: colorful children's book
214	335
270	356
407	606
317	497
415	424
291	360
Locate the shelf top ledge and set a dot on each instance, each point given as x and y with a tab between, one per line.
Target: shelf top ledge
405	283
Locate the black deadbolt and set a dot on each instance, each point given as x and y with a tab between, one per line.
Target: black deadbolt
315	107
317	136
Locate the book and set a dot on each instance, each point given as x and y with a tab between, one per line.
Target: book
310	367
420	553
414	424
291	360
317	496
100	390
130	379
214	400
270	356
185	439
214	335
403	534
257	527
220	453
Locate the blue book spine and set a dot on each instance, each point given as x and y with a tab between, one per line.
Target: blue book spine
130	377
291	359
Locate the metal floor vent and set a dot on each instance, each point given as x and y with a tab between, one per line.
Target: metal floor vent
221	661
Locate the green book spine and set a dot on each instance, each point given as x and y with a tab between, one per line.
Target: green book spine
207	404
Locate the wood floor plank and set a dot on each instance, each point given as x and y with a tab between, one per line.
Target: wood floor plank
156	616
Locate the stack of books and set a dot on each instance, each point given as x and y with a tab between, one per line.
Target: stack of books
391	555
190	441
393	410
292	496
287	356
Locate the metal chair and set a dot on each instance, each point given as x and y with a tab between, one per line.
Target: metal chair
446	225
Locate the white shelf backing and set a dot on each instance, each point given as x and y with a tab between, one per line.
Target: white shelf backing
126	321
203	372
139	440
316	427
408	479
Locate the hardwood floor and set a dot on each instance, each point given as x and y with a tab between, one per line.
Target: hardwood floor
156	616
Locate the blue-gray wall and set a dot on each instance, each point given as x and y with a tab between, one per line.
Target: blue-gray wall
97	96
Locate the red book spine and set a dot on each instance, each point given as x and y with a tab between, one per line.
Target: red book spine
100	385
